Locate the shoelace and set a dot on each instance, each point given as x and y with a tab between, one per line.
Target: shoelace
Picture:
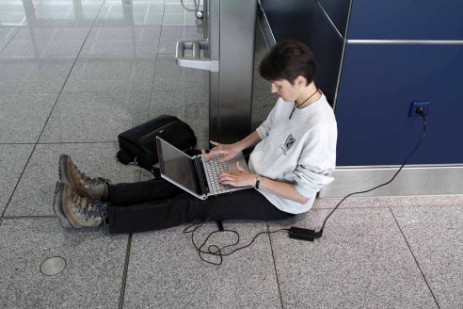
99	180
93	181
92	210
100	208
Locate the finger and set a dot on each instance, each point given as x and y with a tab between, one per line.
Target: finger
214	143
232	182
212	153
215	152
227	177
209	156
228	156
203	151
228	180
225	158
229	183
224	176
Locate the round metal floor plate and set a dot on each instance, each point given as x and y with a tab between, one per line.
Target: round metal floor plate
53	266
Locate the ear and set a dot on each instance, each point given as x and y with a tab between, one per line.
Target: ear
301	81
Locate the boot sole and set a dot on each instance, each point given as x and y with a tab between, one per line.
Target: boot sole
63	170
57	205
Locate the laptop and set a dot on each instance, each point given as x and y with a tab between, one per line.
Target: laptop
195	175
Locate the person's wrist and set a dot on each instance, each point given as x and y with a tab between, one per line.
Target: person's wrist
239	146
257	181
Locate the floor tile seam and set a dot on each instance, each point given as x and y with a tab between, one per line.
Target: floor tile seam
425	206
153	82
25	143
67	77
77	142
121	57
166	54
51	39
40	57
125	272
137	26
179	26
415	258
11	39
45	124
116	57
275	267
18	180
18	93
131	4
7	217
349	207
102	24
164	13
127	93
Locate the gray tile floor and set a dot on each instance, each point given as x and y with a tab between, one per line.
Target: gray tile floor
75	73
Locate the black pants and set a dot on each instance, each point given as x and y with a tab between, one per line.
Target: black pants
157	204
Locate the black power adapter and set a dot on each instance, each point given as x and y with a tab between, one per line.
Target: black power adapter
311	235
304	234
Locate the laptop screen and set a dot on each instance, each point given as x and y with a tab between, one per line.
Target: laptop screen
176	165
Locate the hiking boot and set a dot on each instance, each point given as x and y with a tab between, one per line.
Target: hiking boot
75	211
93	188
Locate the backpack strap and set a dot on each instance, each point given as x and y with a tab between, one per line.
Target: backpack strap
126	158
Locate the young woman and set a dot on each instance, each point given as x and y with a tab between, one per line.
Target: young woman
294	154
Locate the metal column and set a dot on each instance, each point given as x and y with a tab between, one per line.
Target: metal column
228	54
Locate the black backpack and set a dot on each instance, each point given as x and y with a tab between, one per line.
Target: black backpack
138	144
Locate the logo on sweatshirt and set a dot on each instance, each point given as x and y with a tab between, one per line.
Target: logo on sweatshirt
288	144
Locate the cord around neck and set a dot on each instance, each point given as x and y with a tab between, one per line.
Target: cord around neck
301	104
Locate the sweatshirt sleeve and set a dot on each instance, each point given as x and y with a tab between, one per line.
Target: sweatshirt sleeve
264	129
317	162
309	180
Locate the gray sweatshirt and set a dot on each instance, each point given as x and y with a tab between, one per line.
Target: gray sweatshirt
300	150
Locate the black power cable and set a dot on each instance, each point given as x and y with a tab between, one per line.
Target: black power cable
294	232
214	250
310	235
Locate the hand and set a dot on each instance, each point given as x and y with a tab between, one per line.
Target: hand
238	179
229	150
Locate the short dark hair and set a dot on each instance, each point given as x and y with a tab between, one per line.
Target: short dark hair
288	60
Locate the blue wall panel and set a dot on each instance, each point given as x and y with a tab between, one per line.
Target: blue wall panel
305	21
406	20
379	81
338	11
378	84
327	47
289	18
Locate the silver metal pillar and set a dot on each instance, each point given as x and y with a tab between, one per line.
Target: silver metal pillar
228	54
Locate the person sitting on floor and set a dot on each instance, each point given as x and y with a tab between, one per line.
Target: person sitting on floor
294	155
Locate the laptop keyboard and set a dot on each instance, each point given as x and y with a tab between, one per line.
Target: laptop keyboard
213	169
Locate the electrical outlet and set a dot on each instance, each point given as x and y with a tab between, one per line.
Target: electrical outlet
415	106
